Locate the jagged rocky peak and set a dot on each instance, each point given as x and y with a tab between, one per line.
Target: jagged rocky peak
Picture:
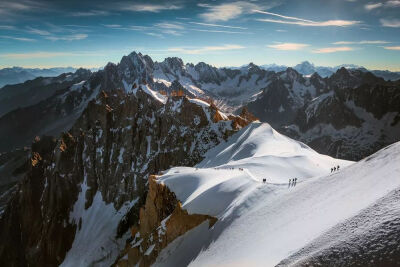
208	73
252	66
83	72
254	69
343	72
350	78
136	66
172	64
291	75
138	60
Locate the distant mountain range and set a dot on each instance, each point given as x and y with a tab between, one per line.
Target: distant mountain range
293	100
307	68
16	75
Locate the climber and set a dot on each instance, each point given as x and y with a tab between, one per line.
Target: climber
338	167
334	168
331	170
264	180
290	181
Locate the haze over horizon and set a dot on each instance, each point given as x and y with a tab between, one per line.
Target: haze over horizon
222	33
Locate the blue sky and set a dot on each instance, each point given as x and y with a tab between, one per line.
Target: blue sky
223	33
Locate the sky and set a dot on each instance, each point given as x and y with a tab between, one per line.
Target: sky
44	33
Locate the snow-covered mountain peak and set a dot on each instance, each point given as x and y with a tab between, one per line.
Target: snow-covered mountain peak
263	151
305	68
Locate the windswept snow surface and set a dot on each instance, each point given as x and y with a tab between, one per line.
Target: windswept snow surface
262	224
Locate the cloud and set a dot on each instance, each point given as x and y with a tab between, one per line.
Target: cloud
337	23
167	25
7	27
333	49
227	11
22	39
112	26
206	49
169	28
372	6
164	28
388	4
305	22
394	3
13	6
11	9
393	23
90	13
218	25
172	32
221	31
392	47
154	8
50	35
155	34
282	16
138	28
288	46
360	42
35	55
38	31
72	37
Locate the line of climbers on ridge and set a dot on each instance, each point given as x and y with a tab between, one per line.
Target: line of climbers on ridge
240	169
335	168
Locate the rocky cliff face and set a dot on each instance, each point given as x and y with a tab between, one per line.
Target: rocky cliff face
83	192
161	221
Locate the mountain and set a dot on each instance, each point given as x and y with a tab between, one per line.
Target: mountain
387	75
84	189
143	162
19	75
349	115
43	109
286	100
230	216
33	91
274	67
306	68
49	106
280	99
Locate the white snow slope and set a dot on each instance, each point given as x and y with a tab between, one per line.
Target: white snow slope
262	224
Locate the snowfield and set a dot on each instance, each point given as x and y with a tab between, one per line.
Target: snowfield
262	224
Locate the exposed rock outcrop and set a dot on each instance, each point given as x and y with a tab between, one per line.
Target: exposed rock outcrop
162	220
